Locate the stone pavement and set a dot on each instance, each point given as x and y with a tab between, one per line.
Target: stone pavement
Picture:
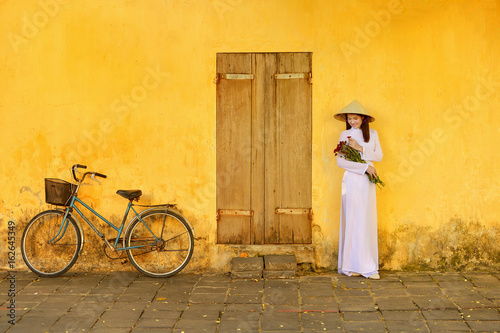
129	302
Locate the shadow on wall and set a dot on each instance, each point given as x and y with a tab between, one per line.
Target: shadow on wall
457	245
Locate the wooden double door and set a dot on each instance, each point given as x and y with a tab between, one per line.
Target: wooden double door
264	129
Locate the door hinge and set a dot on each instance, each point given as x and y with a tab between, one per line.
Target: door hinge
221	76
288	76
233	212
296	211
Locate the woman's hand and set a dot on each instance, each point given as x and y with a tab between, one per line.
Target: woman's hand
354	144
371	171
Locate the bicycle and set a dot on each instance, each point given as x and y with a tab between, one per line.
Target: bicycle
158	241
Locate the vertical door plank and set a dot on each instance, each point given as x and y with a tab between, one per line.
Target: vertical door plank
295	151
264	67
267	103
234	119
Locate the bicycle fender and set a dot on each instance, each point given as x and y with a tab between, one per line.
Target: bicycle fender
169	210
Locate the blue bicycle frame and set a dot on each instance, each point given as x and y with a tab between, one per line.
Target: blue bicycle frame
64	224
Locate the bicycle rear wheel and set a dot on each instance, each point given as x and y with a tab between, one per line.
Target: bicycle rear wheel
164	243
47	249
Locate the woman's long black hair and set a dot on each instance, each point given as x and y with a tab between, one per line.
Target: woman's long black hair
365	127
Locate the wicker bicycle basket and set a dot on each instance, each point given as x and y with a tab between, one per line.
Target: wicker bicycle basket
58	192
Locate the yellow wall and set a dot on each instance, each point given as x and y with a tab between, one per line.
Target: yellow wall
126	87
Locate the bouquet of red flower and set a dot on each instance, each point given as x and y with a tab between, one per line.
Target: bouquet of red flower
351	154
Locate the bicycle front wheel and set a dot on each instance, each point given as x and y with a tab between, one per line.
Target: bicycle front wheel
50	248
160	243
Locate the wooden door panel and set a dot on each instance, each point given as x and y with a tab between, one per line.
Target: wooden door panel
294	108
234	103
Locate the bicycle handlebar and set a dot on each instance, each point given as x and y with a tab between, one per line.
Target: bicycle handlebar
75	168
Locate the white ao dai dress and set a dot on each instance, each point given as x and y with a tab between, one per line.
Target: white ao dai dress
358	246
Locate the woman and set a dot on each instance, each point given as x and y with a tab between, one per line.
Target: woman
358	247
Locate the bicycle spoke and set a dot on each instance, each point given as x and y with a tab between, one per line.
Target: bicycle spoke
167	243
45	258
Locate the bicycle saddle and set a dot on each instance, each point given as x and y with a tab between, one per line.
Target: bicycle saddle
129	194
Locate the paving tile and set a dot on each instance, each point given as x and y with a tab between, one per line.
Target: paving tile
328	307
239	325
20	328
151	330
209	329
365	326
240	315
196	324
279	321
144	298
406	326
167	314
481	314
433	303
315	279
442	315
199	289
395	303
398	315
244	307
244	299
447	277
361	316
473	302
44	285
386	276
415	277
454	293
44	321
282	308
385	284
388	292
128	306
490	293
340	292
357	304
156	322
457	285
117	319
81	284
430	291
483	280
319	300
447	326
280	296
99	298
421	284
60	301
324	322
166	306
484	326
111	330
246	286
208	298
72	323
354	283
198	314
206	307
315	291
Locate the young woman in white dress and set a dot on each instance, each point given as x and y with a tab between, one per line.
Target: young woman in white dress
358	246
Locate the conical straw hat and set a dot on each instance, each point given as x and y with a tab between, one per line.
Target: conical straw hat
356	108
